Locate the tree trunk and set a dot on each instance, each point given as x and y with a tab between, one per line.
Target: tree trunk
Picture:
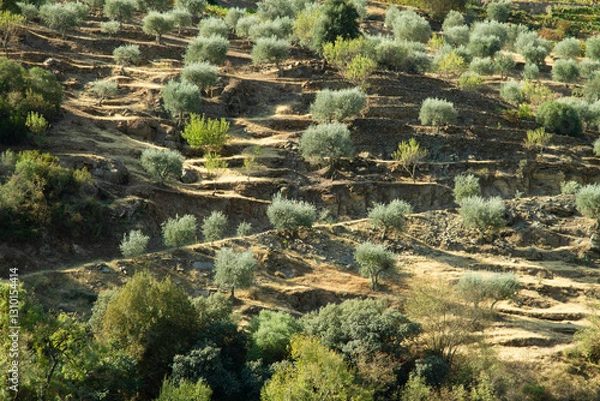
232	295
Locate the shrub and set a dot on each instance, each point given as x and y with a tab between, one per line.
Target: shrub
532	47
126	55
281	28
470	80
457	35
134	244
194	7
484	45
206	133
104	89
270	50
568	48
214	166
390	216
271	9
10	24
592	48
591	89
482	66
408	25
587	201
330	141
511	91
121	10
408	57
559	118
213	26
437	112
233	16
450	64
438	9
482	214
234	269
214	226
360	69
341	52
28	11
390	16
36	123
331	105
212	49
531	71
587	114
243	229
63	17
536	93
305	26
161	163
110	27
289	215
201	74
477	288
465	186
181	18
271	333
410	154
184	391
433	369
498	10
337	18
472	288
565	71
570	187
588	68
244	24
504	64
179	231
181	97
157	24
453	19
374	260
537	138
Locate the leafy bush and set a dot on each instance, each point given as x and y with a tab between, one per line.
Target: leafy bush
157	24
184	391
498	10
410	26
212	49
450	64
592	48
537	138
233	16
588	114
341	52
121	10
410	154
63	17
492	28
105	89
330	141
477	288
470	80
271	333
390	16
482	214
305	26
390	216
531	71
214	166
181	97
532	47
591	89
465	186
568	48
588	68
289	215
511	91
206	133
565	71
482	66
181	18
213	26
179	231
270	50
134	244
331	105
457	35
161	163
243	229
194	7
360	69
201	74
504	64
110	27
569	187
234	269
453	19
484	45
281	28
374	260
437	112
271	9
433	369
126	55
408	57
28	11
337	18
244	24
213	226
559	118
36	123
587	201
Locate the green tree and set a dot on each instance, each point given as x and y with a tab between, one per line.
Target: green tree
134	244
271	9
271	333
587	200
390	216
157	23
181	97
280	28
592	48
331	105
179	231
326	142
243	229
160	163
410	155
482	214
289	215
316	373
214	226
184	391
201	74
126	55
181	18
559	118
512	92
453	19
121	10
498	10
565	71
438	9
504	64
212	49
233	16
63	17
270	50
9	26
210	26
465	186
410	26
194	7
153	321
234	269
568	48
206	133
104	89
437	112
337	18
533	47
374	260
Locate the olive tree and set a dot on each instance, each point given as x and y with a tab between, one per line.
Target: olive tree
481	213
565	71
233	16
331	105
374	260
390	216
234	269
194	7
498	10
559	118
157	24
270	50
410	26
181	97
202	74
212	49
532	47
121	10
592	48
587	201
437	112
179	231
210	26
213	226
338	18
63	17
512	92
126	55
181	18
289	215
330	141
133	244
453	19
160	163
568	48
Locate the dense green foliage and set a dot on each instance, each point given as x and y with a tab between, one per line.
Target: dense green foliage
437	112
568	48
271	333
390	216
127	54
212	49
201	74
184	391
565	71
63	17
408	25
465	186
374	260
270	50
587	200
179	231
234	269
121	10
559	118
134	244
157	24
180	98
326	142
289	215
206	133
512	92
281	28
210	26
337	18
498	10
160	163
343	104
482	214
213	226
